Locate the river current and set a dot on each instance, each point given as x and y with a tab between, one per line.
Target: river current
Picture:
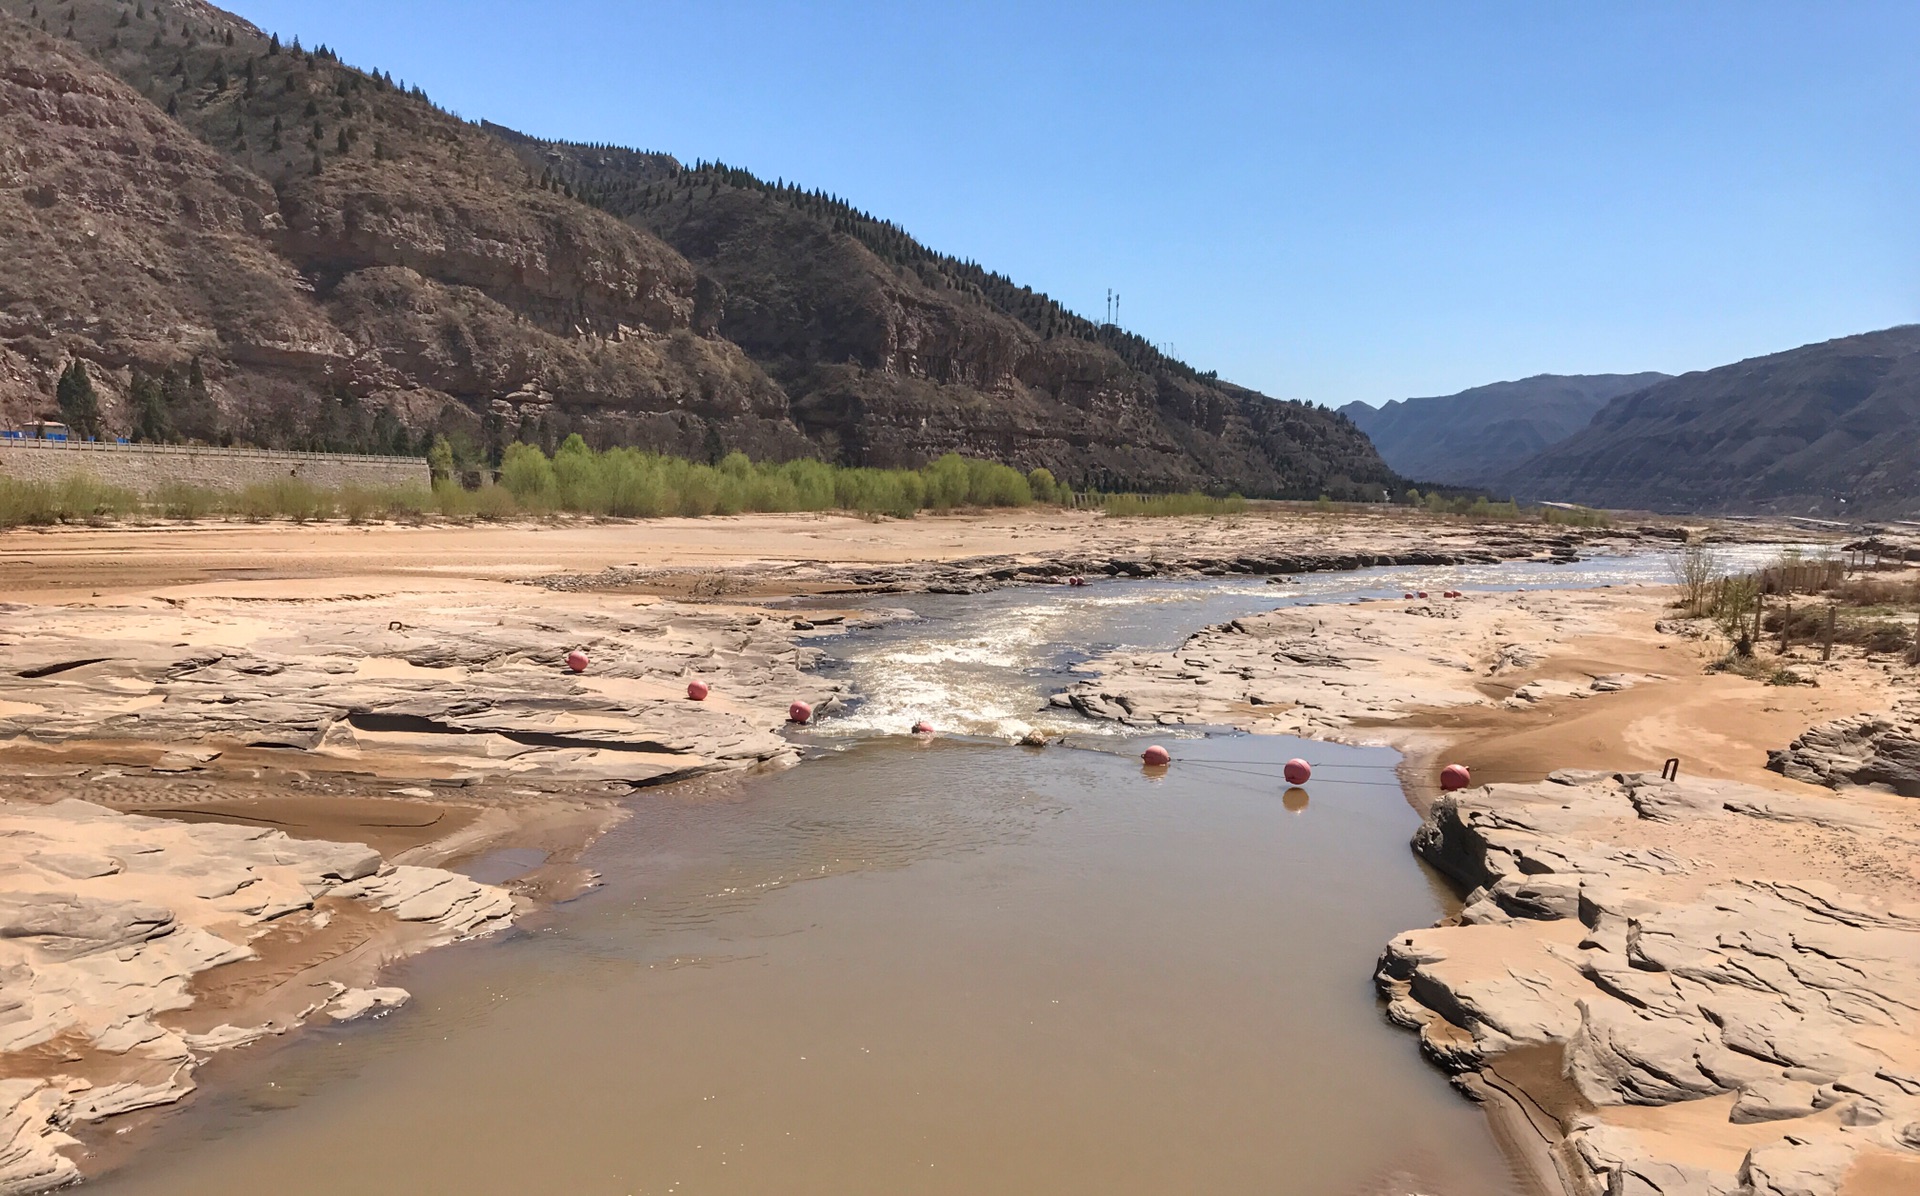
953	966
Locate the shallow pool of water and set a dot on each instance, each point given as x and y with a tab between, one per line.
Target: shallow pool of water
947	967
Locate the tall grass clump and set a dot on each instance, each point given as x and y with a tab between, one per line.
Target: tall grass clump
79	498
487	504
285	498
27	503
178	500
365	504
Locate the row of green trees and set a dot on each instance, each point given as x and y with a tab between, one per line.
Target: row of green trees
631	483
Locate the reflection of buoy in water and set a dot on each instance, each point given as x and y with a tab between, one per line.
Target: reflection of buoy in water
577	661
1295	799
1156	757
1297	772
799	712
697	690
1455	776
923	728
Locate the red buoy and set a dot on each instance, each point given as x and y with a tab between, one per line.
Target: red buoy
577	661
1407	595
1076	581
923	728
1422	594
1455	776
1156	757
697	690
1297	771
799	712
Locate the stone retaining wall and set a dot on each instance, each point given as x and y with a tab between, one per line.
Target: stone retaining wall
147	467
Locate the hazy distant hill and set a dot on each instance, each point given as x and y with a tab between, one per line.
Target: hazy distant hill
1827	428
1474	437
350	267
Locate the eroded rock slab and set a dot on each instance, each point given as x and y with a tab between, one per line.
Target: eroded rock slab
1316	670
106	921
1880	751
412	683
1671	950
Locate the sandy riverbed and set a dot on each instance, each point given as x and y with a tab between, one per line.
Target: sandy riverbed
402	688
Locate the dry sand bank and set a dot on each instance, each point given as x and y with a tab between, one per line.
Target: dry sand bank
1709	987
781	553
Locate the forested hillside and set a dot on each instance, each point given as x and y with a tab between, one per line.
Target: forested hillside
246	240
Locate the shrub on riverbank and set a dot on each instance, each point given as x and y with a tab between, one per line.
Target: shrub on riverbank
621	483
628	483
77	499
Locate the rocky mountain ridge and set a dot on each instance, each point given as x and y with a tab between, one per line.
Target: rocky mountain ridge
353	268
1827	429
1475	437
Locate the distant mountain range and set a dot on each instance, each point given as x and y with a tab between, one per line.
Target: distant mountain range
1476	437
308	255
1826	429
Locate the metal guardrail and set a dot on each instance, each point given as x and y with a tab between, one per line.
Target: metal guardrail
203	449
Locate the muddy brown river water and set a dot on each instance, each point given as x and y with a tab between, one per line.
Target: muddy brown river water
946	967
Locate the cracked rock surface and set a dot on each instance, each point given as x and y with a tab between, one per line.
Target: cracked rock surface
1879	751
412	681
106	920
1314	670
1691	985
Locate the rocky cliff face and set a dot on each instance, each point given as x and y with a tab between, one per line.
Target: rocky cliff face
1831	428
320	239
892	353
1475	437
354	269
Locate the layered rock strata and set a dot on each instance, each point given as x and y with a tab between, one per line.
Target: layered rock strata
1689	987
1880	751
424	685
106	919
1316	670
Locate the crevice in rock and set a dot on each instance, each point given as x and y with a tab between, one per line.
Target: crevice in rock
48	670
417	724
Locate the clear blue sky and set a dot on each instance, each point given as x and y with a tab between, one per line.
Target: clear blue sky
1328	202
